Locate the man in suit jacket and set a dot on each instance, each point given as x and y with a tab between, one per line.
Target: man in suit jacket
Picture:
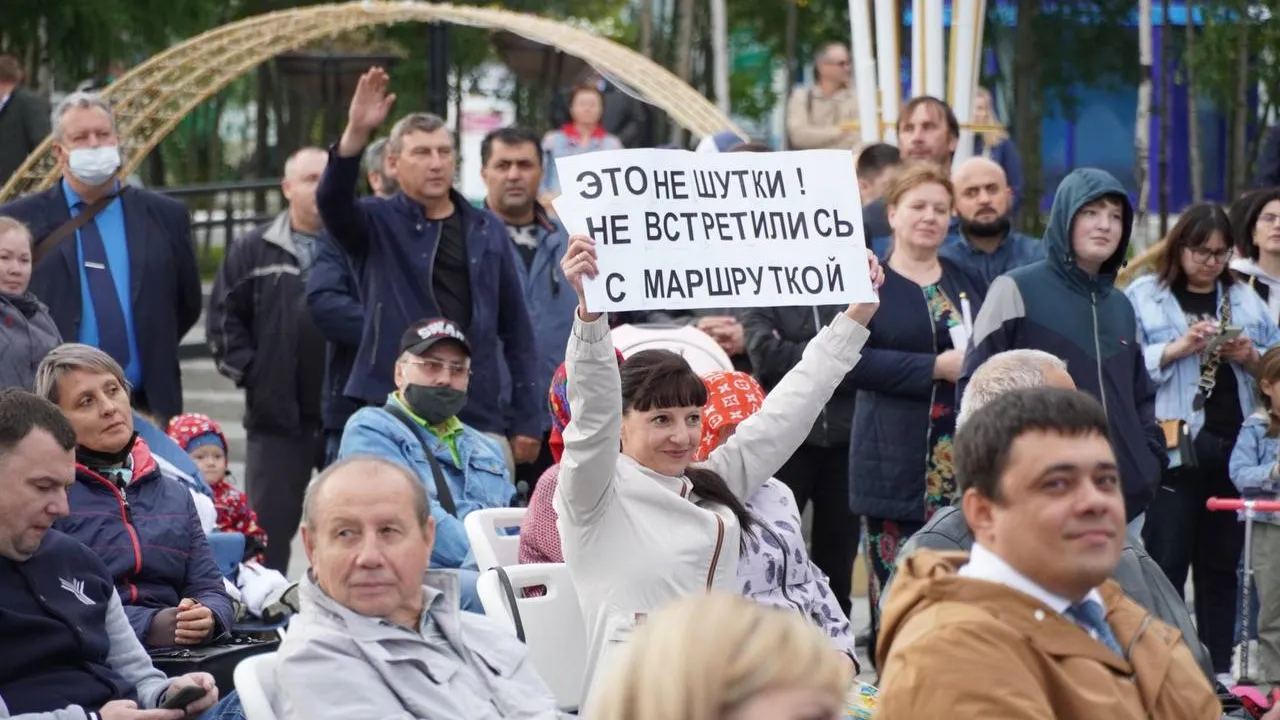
125	282
24	118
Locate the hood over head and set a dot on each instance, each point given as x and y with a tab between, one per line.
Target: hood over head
1076	190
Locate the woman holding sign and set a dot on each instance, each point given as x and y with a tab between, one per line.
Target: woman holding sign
641	524
904	416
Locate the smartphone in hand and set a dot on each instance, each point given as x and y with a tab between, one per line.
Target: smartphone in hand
183	697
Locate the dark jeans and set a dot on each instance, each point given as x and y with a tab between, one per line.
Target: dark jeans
821	475
530	472
332	443
1181	534
277	470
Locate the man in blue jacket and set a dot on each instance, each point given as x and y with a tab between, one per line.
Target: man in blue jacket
426	252
1067	305
986	243
511	165
418	427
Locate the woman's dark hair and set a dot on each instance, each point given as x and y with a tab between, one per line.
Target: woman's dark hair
1194	228
1244	218
656	379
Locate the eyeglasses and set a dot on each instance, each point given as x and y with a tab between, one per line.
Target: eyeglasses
441	366
1203	255
1269	219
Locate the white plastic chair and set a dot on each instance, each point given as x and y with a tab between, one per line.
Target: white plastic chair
696	347
554	630
255	680
484	531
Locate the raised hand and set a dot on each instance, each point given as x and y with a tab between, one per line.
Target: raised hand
369	108
580	262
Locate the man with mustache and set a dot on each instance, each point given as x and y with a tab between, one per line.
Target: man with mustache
511	166
1028	624
988	244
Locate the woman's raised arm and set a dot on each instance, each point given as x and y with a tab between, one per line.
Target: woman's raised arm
592	436
766	440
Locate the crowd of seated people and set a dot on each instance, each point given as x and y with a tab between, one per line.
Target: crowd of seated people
113	494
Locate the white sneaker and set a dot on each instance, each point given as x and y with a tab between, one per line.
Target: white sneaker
1226	680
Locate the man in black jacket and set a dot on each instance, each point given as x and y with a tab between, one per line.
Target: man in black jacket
24	118
263	338
819	469
70	652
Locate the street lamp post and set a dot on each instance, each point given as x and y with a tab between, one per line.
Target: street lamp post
438	70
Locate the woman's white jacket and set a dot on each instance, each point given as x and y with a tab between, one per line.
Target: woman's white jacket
634	539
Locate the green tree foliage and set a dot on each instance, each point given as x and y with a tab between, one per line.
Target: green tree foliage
84	36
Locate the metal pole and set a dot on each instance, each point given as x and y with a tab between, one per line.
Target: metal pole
720	53
438	69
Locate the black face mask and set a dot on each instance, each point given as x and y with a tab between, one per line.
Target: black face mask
96	459
434	404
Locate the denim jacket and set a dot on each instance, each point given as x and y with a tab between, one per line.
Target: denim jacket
1253	464
481	481
1161	321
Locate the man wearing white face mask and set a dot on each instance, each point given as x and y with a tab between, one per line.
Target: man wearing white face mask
115	265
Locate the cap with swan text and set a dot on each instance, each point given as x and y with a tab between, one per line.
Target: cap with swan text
425	333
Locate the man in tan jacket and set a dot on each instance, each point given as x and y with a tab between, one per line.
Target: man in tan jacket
819	116
1028	625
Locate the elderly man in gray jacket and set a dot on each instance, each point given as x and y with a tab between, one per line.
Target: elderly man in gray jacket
379	636
1138	575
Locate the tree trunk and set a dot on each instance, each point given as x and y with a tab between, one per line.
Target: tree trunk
1142	128
1240	129
1166	116
684	54
1193	115
1027	101
646	28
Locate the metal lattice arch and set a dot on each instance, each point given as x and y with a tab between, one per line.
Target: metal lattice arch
152	98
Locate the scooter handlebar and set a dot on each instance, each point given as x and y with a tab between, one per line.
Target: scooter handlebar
1215	503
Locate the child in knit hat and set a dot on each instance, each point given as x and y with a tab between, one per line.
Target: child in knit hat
205	442
263	591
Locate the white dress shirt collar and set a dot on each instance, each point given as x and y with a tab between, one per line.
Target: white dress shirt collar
986	565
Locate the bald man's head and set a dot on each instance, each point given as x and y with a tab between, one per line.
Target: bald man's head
983	198
302	173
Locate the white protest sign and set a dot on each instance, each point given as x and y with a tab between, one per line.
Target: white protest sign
681	230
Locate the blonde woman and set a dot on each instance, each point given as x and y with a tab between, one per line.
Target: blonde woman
995	144
718	656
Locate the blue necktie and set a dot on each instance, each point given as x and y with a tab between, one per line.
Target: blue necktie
113	334
1092	617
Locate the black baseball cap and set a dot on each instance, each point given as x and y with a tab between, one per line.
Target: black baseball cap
423	334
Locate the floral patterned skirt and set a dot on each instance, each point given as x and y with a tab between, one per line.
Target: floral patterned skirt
884	537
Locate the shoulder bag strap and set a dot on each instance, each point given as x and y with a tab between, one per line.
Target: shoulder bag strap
512	605
69	228
443	495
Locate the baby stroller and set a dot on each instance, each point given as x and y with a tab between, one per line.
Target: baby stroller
1246	687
